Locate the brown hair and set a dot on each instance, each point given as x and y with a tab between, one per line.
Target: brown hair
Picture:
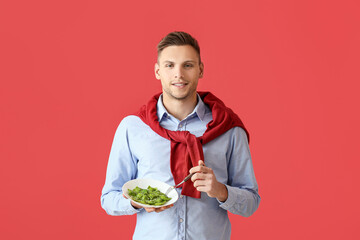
178	39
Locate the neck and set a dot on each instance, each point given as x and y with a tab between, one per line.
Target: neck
179	108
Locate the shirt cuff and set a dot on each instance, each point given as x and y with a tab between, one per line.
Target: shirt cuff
230	201
132	208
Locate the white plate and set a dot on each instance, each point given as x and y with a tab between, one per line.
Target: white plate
144	183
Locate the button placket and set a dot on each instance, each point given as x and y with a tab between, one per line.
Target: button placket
181	217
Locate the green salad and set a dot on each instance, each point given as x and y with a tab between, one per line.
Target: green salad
149	196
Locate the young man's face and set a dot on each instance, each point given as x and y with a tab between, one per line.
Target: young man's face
179	70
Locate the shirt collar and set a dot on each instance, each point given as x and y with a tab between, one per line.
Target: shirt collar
161	110
199	109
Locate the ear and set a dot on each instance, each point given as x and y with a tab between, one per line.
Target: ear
201	66
157	69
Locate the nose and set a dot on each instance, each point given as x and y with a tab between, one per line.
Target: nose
178	72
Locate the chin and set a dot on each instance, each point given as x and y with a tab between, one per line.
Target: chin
180	96
183	96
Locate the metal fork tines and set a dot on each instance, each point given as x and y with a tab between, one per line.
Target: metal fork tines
185	179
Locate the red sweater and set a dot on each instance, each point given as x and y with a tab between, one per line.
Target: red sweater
186	148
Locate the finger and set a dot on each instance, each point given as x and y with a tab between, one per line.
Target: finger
199	183
194	169
198	176
160	209
205	169
163	208
135	205
150	209
202	189
201	169
168	206
197	169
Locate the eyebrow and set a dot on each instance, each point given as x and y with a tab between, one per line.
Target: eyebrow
187	61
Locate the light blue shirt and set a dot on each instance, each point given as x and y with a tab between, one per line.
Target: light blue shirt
139	152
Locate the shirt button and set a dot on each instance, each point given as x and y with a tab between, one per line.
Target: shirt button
181	220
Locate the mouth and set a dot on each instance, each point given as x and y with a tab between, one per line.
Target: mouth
179	84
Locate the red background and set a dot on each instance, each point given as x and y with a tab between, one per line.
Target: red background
71	70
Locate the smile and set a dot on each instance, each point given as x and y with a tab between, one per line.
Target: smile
179	85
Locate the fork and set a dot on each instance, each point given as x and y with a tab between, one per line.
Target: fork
185	179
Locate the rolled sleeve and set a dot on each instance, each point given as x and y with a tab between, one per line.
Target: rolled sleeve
243	202
231	199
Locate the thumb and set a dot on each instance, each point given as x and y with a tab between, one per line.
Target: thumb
201	163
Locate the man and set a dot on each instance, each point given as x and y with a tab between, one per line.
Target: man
178	132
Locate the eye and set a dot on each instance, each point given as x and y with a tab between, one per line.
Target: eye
169	65
188	65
